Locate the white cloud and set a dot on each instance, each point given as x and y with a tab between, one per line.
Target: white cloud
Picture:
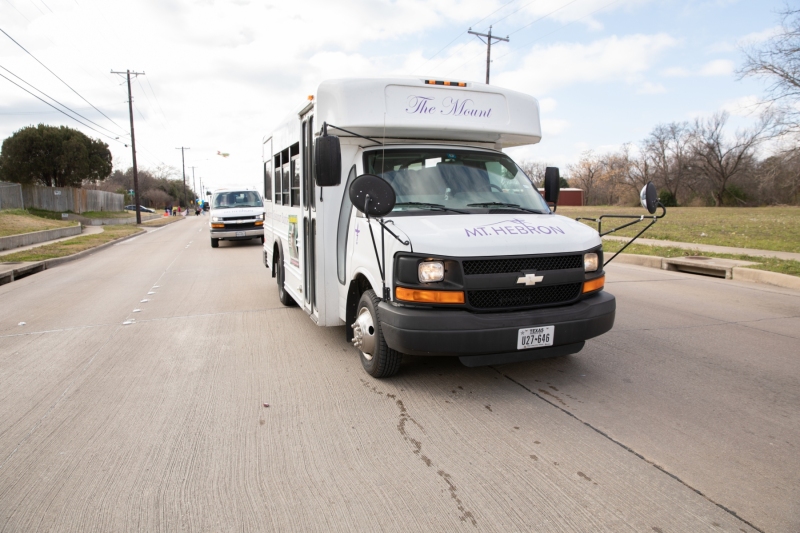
547	104
651	88
746	106
546	68
676	72
718	67
553	127
759	36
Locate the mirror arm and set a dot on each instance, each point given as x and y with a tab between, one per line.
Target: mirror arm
325	127
654	219
393	234
381	263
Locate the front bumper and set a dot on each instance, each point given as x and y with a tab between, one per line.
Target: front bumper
457	332
229	234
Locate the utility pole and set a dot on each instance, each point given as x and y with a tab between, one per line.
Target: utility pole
133	144
488	42
193	182
183	165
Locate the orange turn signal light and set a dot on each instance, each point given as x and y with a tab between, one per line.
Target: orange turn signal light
429	297
217	225
259	222
594	285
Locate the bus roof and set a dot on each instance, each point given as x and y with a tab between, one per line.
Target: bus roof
413	108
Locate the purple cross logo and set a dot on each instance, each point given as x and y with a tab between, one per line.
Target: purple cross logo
358	231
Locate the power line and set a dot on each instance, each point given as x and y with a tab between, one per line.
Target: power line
542	17
62	81
517	30
59	103
560	29
157	102
459	36
17	10
51	105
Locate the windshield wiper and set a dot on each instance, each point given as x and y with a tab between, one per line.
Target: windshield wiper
440	207
501	204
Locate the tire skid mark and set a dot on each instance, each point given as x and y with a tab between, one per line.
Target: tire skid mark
405	418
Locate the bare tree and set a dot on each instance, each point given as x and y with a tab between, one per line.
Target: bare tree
669	150
535	171
716	159
778	61
587	174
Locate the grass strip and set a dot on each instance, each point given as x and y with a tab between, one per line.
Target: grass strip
773	264
760	228
163	221
19	221
72	246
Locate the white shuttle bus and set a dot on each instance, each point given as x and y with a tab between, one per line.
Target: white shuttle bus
391	209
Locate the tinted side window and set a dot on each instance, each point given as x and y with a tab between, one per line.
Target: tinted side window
344	221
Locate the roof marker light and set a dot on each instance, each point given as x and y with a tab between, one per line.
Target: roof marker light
447	83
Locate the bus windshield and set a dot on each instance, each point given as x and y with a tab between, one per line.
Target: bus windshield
225	200
454	180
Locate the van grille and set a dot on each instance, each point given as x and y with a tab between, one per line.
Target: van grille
518	264
510	298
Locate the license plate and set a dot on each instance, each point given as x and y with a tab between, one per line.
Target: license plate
240	234
535	337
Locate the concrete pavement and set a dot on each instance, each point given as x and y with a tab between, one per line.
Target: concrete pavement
682	418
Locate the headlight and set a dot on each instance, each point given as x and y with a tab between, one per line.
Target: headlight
429	271
214	219
590	262
259	217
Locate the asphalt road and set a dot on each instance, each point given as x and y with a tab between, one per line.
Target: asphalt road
685	417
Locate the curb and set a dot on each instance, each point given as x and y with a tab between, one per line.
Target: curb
39	266
738	273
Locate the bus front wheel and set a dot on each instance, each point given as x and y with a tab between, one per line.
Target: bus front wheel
377	358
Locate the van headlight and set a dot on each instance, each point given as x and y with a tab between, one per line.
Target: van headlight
260	217
591	262
214	219
429	271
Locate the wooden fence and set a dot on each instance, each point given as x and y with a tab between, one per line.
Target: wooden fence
68	199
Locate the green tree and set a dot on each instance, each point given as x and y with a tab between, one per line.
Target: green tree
53	156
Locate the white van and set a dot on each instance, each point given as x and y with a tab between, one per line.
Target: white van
458	254
235	215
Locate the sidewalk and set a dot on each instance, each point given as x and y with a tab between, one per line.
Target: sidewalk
711	248
87	230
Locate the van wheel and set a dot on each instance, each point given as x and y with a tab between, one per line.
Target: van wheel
262	239
377	358
215	243
283	296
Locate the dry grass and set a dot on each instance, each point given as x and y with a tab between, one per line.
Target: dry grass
17	221
761	228
72	246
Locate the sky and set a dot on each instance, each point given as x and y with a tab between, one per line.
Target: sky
219	75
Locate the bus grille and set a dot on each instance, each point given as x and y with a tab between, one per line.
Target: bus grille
511	298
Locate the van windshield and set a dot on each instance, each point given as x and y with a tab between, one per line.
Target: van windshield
225	200
448	180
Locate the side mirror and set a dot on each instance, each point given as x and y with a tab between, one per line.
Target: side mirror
649	197
552	184
372	195
328	161
208	193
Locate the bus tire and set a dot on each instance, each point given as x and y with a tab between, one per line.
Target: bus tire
283	295
378	360
215	243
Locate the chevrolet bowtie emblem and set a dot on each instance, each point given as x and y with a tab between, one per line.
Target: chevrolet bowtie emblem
530	279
